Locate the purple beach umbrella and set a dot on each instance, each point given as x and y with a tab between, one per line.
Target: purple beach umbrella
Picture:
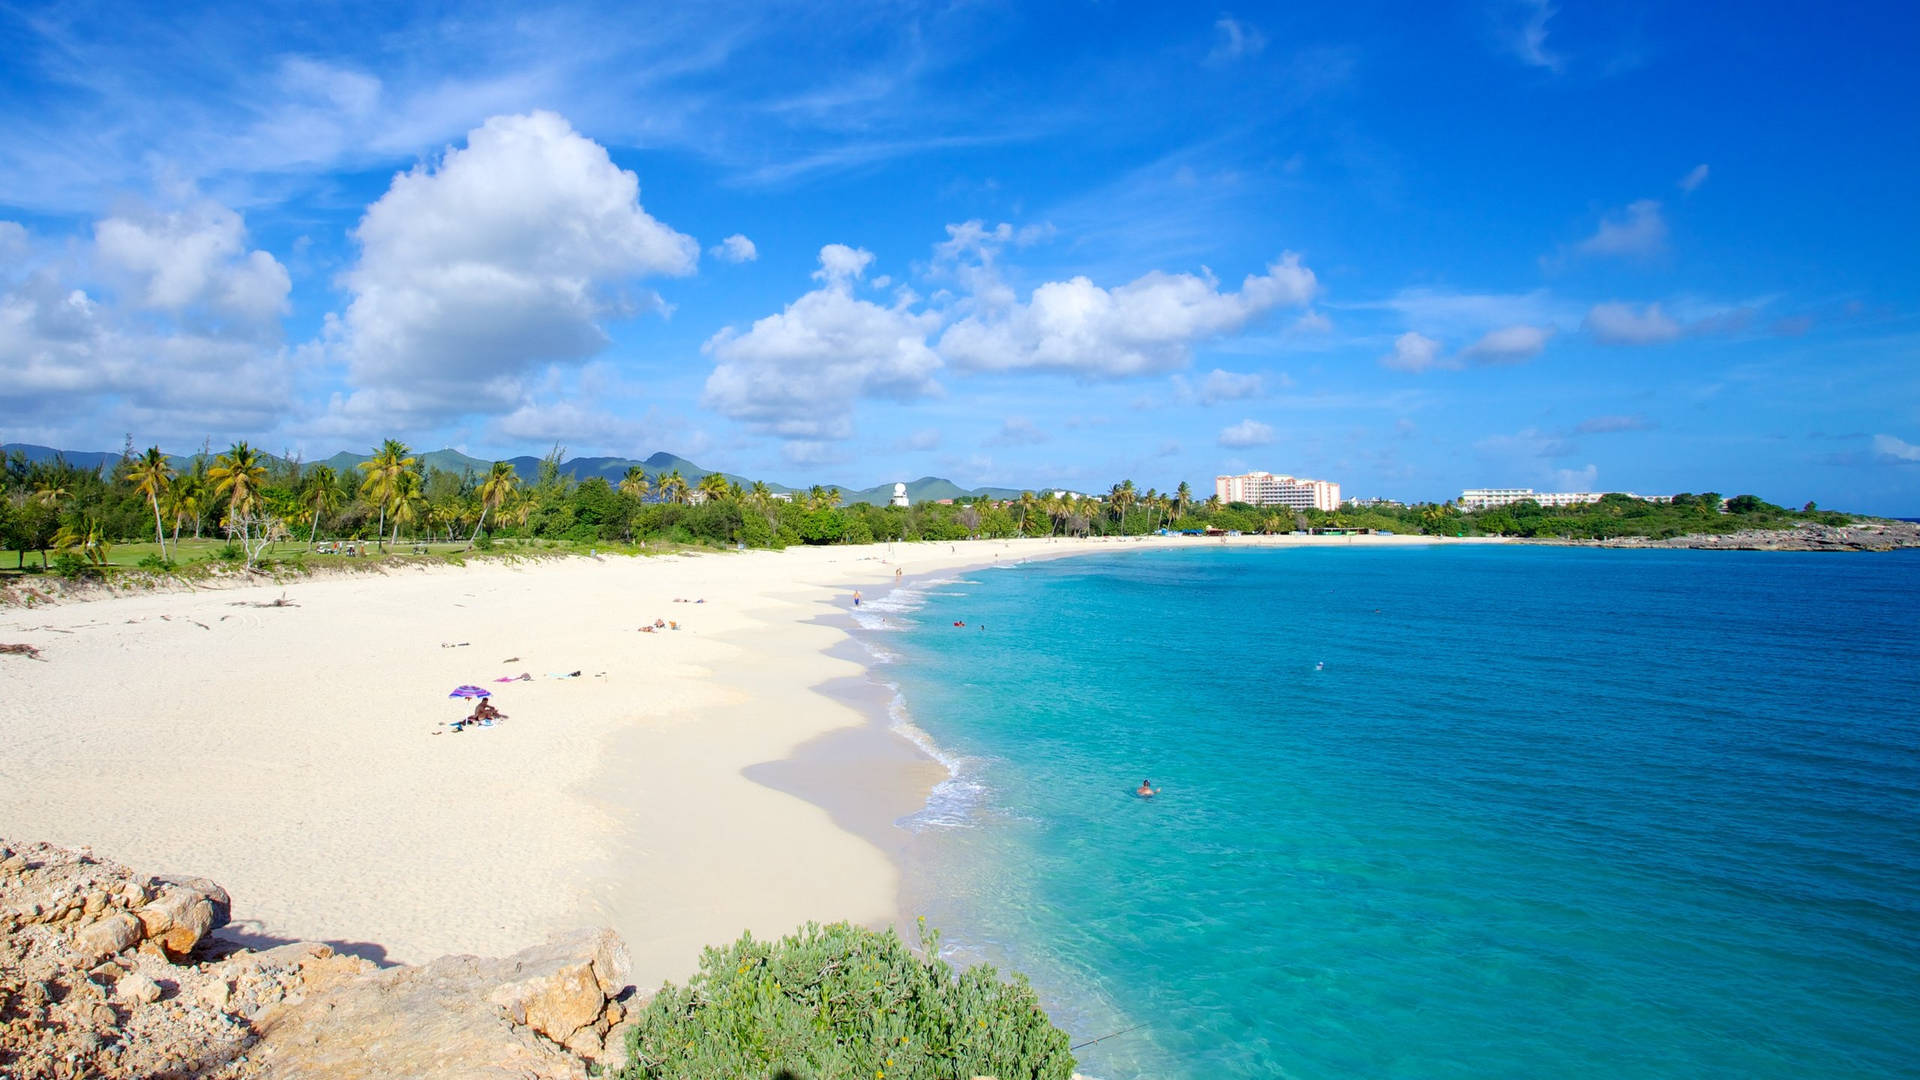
470	691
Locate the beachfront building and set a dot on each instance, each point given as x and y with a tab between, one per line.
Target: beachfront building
899	495
1488	498
1267	489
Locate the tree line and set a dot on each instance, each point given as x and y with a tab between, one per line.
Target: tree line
252	499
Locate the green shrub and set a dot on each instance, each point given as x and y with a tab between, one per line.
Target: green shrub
230	552
155	562
72	567
485	542
842	1001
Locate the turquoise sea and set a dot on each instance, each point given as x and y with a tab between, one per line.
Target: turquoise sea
1431	812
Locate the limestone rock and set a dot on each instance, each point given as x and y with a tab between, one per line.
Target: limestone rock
77	999
216	897
566	983
178	920
114	934
138	988
458	1016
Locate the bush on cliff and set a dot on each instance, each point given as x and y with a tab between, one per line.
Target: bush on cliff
841	1001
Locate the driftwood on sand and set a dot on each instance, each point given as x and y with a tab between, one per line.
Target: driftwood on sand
27	651
281	602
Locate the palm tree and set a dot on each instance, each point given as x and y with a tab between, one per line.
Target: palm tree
713	487
1122	498
519	510
635	483
1027	505
239	475
498	489
183	500
321	493
1060	510
833	497
407	501
87	535
152	476
673	487
384	470
1182	498
51	493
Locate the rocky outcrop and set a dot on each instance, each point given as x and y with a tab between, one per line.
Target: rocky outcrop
542	1013
1865	536
107	973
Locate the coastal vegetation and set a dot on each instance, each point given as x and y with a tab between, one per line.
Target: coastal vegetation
247	508
842	1001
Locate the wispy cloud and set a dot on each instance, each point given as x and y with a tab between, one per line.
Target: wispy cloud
1696	176
1509	345
1233	40
1621	324
1522	28
1612	425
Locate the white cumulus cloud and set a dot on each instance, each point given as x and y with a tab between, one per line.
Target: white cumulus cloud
506	254
1890	448
798	373
735	249
1620	324
1148	325
1415	352
190	258
1246	433
1639	230
184	337
1509	345
1218	385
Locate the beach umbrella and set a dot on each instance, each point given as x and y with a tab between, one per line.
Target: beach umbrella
470	691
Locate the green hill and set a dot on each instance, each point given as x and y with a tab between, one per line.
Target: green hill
611	469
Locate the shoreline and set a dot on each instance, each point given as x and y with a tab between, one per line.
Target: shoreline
287	754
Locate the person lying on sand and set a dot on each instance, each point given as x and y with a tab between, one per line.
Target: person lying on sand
1147	790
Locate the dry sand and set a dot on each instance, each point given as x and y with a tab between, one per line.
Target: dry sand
300	755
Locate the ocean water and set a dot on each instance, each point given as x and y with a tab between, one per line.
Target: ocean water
1448	812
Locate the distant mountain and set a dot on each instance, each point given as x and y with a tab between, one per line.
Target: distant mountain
926	489
84	459
452	461
610	469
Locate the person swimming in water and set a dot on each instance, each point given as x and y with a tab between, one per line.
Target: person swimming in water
1147	790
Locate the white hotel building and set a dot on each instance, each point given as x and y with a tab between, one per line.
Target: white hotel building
1266	489
1488	498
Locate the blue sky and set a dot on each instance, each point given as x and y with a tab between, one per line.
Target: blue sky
1409	247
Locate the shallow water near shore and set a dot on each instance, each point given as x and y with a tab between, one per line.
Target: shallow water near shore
1431	812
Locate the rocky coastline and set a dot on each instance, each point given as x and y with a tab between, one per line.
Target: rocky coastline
109	973
1865	536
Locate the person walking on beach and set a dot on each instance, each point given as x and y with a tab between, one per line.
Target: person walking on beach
896	575
856	598
1147	790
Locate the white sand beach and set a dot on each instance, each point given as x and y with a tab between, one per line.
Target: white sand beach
300	756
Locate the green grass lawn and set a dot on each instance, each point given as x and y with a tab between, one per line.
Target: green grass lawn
189	552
